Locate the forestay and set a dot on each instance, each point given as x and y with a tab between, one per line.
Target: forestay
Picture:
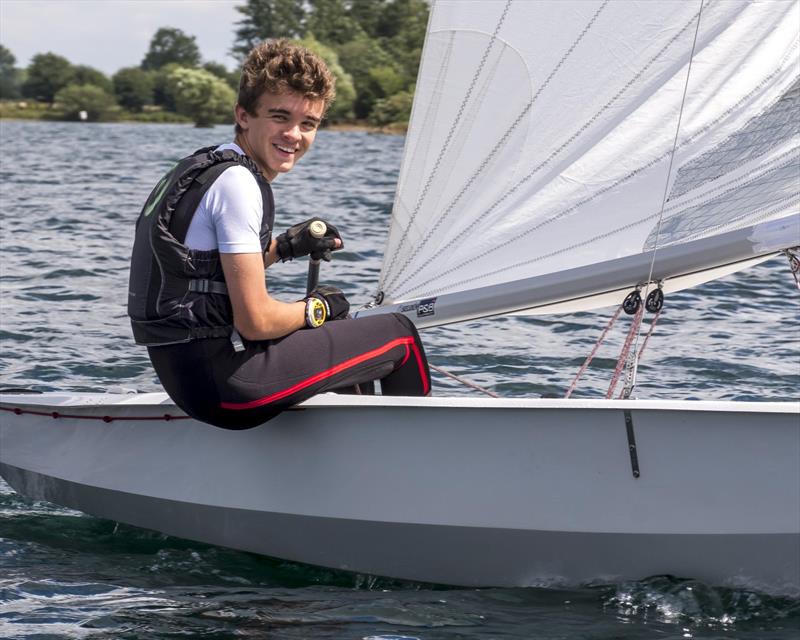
561	151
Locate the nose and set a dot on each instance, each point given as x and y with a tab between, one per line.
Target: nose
292	133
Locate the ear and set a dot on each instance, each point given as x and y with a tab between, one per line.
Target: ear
241	115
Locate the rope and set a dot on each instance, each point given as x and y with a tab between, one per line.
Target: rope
626	349
463	381
626	391
591	356
635	362
55	414
649	333
794	263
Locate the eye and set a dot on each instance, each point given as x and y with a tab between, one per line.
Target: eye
308	125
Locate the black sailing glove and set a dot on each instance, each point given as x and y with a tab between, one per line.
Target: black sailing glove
297	241
325	303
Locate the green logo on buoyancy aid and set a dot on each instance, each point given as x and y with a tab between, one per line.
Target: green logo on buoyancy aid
158	193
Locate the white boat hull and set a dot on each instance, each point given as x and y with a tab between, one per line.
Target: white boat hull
446	490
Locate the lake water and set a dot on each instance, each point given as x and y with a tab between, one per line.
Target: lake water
69	196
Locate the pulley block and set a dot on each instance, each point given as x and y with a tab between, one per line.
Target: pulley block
632	302
655	300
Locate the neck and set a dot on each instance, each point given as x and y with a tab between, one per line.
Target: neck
241	140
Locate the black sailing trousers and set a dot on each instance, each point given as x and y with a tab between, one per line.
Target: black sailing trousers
237	390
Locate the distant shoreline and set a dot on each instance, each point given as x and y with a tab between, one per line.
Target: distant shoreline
367	128
339	126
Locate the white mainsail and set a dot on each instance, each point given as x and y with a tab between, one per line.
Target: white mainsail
563	151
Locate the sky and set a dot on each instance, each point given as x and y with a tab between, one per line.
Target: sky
111	34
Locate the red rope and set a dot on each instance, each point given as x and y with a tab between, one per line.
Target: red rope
649	333
56	414
794	264
623	356
589	358
644	344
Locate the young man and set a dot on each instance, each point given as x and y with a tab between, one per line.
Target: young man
226	351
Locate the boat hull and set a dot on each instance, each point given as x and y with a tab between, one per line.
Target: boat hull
454	491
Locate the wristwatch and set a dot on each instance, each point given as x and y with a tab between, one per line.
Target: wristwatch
316	312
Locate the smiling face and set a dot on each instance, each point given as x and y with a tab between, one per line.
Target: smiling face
281	129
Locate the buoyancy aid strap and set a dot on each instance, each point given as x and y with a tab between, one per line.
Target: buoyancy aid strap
179	224
211	332
203	285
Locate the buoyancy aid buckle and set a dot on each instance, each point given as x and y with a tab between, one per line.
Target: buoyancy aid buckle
204	285
236	341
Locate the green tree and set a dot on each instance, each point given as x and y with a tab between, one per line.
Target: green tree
359	57
221	71
367	13
404	39
342	107
202	96
217	69
133	88
170	45
9	75
164	86
330	22
409	17
263	19
378	44
394	110
90	75
388	78
47	74
93	100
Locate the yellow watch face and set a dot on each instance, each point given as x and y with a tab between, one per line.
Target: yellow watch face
315	312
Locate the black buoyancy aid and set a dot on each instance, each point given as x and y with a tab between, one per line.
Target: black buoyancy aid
177	294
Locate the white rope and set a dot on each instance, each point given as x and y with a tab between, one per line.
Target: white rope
628	388
463	381
634	363
626	353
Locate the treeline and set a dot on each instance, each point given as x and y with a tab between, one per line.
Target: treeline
171	84
372	46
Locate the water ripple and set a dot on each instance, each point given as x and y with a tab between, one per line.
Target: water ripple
67	232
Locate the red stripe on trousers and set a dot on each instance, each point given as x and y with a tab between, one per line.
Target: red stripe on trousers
252	404
426	383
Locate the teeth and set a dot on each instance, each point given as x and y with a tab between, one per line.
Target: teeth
284	149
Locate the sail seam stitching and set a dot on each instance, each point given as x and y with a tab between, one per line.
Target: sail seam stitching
722	189
752	216
497	147
613	232
557	151
433	106
446	143
632	366
603	236
610	187
718	195
774	109
672	155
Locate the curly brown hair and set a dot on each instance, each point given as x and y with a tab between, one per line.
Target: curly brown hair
278	66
